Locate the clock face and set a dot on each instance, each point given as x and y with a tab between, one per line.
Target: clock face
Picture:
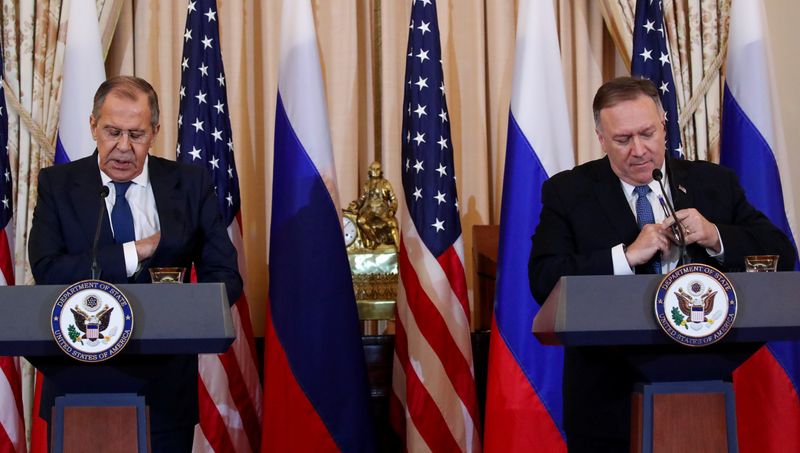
350	231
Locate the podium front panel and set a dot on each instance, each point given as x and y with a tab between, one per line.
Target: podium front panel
618	310
168	319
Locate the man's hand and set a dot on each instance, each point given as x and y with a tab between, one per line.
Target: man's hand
652	239
697	230
147	246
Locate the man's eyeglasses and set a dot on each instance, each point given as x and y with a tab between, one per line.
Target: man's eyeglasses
112	134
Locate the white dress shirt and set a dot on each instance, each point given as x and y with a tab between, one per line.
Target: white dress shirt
669	261
143	207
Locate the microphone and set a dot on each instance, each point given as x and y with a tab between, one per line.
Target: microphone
674	227
95	267
677	227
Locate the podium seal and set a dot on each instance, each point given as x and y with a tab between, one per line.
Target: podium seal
696	305
91	321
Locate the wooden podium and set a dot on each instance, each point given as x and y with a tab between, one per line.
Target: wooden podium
688	393
109	415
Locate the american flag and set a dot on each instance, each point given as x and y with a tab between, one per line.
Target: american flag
229	386
434	403
12	426
651	60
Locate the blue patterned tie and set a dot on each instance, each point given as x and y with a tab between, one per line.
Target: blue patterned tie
644	215
121	216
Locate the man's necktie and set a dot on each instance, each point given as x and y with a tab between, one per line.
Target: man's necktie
644	215
121	216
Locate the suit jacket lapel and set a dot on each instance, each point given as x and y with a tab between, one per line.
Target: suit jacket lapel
683	197
85	198
678	175
615	205
167	199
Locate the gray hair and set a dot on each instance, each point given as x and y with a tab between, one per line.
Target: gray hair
129	87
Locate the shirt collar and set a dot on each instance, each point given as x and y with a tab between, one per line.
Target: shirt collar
653	184
142	180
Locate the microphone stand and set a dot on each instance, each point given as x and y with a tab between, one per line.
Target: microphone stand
677	226
96	271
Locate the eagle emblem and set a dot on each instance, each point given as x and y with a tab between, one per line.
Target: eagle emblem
91	321
92	325
695	305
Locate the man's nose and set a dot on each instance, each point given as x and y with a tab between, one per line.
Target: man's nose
124	141
637	146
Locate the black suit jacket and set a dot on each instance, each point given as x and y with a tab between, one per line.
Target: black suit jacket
192	232
585	213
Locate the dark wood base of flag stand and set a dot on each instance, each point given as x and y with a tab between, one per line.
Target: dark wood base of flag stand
115	422
695	416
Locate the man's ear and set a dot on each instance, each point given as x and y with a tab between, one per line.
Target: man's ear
601	138
93	126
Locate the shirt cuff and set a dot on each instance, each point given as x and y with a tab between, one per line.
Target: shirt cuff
721	255
621	266
131	258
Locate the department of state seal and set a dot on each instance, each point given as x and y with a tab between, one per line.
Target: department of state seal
92	321
696	305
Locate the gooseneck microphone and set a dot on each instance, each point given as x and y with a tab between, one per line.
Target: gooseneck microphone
102	212
677	227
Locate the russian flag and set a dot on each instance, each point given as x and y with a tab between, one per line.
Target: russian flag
315	381
523	396
83	72
768	409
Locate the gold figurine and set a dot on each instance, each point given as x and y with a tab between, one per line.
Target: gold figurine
371	235
374	210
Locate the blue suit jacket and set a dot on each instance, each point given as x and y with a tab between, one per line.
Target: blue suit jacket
192	232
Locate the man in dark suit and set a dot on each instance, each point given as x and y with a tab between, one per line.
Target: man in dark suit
589	226
158	213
